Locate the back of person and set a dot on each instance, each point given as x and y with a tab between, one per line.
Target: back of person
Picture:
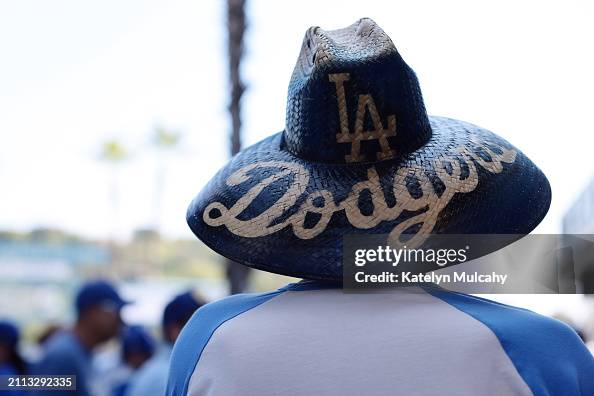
310	339
69	352
11	361
65	355
358	156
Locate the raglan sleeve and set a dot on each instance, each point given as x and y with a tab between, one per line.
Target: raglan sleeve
197	333
574	363
547	353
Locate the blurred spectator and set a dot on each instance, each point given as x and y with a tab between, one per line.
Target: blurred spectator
68	352
567	320
151	379
11	362
137	346
47	333
581	334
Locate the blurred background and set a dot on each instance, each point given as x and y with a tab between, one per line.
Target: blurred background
114	114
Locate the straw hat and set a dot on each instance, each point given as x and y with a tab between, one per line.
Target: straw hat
360	155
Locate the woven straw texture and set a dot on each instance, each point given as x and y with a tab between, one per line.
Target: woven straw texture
360	155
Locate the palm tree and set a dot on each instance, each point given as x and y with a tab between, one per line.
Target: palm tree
165	141
114	153
236	274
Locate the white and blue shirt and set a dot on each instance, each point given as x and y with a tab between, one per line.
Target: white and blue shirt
309	338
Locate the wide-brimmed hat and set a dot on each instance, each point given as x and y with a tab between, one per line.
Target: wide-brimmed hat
359	155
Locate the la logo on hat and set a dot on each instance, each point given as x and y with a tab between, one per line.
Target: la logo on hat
365	104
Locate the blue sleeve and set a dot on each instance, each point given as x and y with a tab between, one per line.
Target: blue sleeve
548	354
197	332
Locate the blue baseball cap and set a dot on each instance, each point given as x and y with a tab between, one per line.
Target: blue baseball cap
180	309
135	339
98	292
9	333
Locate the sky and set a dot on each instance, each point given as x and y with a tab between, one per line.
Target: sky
75	74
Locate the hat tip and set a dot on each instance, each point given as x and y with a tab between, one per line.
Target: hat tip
321	46
365	26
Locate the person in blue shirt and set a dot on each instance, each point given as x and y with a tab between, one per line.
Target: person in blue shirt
151	378
137	347
358	155
11	362
69	352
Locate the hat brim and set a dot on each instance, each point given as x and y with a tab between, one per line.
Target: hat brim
270	210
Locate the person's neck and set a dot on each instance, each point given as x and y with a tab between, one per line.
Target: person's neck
85	335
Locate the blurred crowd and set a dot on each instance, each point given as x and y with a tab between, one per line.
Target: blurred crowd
141	363
141	367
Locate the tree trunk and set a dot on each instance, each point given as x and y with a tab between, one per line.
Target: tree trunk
237	274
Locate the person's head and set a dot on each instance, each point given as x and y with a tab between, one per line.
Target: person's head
137	346
9	339
177	312
98	308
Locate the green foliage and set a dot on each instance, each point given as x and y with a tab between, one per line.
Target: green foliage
165	139
148	254
42	235
113	151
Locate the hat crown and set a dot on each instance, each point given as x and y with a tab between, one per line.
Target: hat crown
353	99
